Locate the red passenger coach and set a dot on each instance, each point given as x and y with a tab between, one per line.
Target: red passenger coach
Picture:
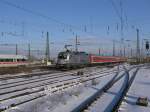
105	59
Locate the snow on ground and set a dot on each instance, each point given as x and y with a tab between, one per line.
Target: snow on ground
66	101
36	81
63	101
105	102
139	88
26	73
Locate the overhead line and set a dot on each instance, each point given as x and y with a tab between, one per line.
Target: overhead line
46	17
36	13
115	8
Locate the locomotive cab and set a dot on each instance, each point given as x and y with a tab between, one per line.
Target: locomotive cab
63	59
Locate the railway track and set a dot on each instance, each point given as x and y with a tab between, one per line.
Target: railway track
28	77
43	80
102	100
120	100
38	91
3	77
42	73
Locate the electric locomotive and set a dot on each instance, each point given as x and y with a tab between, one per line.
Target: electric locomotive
72	59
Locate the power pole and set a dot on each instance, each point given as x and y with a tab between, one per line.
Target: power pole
128	52
131	53
120	53
138	45
113	47
47	48
142	50
91	24
76	44
29	52
122	28
99	51
16	49
120	15
124	48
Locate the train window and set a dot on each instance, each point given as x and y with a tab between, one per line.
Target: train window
76	53
1	60
23	60
9	60
62	56
70	56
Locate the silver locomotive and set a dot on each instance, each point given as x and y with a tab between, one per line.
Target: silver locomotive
71	59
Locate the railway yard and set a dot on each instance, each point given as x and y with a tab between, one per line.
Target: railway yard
89	89
74	56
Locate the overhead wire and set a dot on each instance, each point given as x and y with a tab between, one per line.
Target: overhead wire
115	8
69	26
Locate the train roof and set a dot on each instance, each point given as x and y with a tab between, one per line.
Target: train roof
80	52
11	56
75	52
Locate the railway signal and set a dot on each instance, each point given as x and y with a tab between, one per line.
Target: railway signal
147	45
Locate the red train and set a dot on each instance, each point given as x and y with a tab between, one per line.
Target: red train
73	59
106	59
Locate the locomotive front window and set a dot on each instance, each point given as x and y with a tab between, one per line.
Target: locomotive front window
62	56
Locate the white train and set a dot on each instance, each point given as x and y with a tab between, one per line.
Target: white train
12	60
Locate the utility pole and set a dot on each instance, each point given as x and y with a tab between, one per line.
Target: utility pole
76	44
142	51
113	47
138	45
122	27
120	15
47	54
91	24
29	52
131	52
120	52
16	49
99	51
128	52
124	48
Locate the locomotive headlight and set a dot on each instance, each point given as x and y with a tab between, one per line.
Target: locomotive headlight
68	57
